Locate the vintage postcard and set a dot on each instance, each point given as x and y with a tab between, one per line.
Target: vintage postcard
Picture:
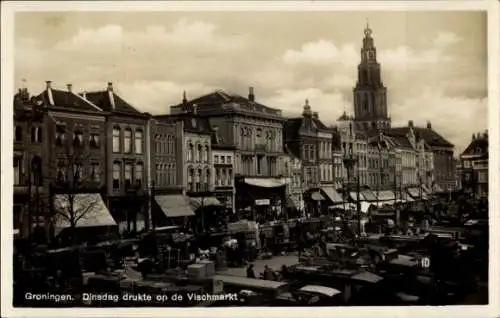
248	158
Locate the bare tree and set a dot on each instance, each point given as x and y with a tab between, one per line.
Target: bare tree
75	199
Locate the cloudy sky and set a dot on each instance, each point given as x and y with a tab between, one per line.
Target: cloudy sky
434	64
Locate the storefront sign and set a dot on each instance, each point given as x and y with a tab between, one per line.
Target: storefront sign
263	202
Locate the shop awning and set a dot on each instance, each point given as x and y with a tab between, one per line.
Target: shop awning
437	188
332	194
264	182
175	205
386	195
354	196
414	192
85	209
369	195
426	190
316	196
206	201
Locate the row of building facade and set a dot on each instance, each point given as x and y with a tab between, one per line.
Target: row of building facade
218	149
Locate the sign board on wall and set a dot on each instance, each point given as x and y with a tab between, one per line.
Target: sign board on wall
263	202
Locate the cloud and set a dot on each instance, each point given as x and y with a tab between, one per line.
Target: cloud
322	51
454	117
329	105
185	34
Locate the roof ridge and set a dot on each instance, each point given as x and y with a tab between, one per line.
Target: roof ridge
87	101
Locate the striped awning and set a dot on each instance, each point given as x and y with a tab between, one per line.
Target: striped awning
317	196
414	192
332	194
175	205
368	195
386	195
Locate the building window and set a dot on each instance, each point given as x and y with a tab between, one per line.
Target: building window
36	134
217	177
223	177
60	134
216	159
78	139
95	173
116	139
128	176
190	153
230	177
127	139
18	133
17	171
206	153
36	171
138	174
222	159
199	153
174	174
191	180
116	175
482	177
138	142
206	178
61	174
77	173
199	176
228	159
94	140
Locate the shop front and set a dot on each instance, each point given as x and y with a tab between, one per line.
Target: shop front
260	199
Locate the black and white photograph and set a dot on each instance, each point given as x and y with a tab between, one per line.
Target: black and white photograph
247	158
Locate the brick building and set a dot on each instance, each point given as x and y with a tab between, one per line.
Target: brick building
474	162
126	157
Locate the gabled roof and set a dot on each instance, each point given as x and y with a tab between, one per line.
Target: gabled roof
402	142
431	137
103	100
478	146
220	97
66	99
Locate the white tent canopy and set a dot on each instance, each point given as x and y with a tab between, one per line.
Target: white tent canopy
88	210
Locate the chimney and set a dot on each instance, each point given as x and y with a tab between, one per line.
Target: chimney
49	92
251	96
195	109
111	95
485	134
70	87
410	123
84	94
315	115
473	136
429	125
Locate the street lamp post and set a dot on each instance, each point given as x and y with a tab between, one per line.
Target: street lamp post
349	162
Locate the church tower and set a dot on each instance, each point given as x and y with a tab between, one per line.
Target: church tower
370	94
